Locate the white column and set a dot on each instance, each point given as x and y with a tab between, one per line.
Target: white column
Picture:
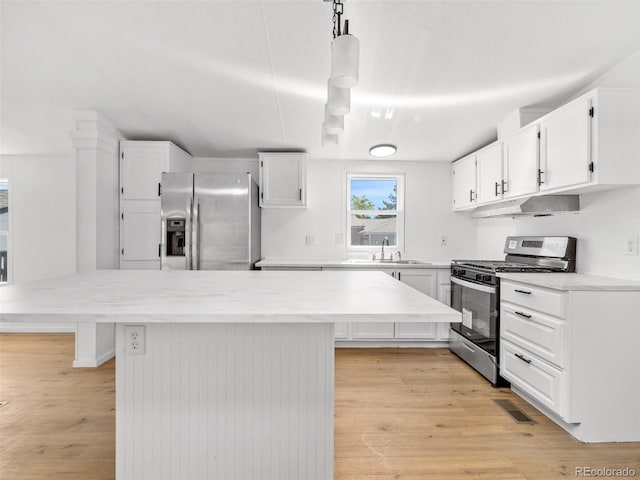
95	140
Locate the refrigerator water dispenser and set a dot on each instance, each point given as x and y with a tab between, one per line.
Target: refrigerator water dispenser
175	237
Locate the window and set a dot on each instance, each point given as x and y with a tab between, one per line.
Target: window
4	231
375	211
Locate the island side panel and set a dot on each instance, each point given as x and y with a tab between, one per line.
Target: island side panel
241	401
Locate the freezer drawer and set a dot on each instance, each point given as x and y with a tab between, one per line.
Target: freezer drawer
484	363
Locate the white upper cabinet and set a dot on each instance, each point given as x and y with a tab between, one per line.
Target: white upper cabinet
489	161
464	183
283	179
142	164
565	146
521	162
591	143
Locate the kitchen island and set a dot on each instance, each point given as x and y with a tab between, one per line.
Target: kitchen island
223	375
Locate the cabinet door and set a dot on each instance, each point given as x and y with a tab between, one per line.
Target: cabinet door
521	161
565	146
341	331
282	180
444	296
464	182
141	166
140	231
424	281
489	162
373	330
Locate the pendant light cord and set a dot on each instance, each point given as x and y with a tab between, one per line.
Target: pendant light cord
338	7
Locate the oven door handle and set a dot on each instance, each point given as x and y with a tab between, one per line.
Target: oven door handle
474	286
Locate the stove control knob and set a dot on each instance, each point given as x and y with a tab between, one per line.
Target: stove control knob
479	277
486	278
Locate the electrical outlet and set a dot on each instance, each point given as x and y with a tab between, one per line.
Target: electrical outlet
631	246
443	240
310	240
135	339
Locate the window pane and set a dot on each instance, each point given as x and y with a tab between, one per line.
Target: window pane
373	229
372	194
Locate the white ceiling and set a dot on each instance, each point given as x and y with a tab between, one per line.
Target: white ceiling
228	78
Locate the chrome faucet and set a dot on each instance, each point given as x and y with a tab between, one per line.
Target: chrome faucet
386	239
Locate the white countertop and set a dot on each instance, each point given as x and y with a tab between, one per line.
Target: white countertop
346	263
573	281
147	296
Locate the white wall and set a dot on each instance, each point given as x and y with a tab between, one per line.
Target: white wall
604	220
42	213
427	214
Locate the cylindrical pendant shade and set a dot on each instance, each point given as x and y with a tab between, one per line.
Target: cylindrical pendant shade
345	59
334	124
328	138
338	99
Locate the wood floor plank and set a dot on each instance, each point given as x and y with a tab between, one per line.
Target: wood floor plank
400	414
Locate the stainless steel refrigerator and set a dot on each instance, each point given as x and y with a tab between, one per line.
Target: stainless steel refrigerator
209	221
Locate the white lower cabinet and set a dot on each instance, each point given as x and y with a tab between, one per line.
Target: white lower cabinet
570	354
373	330
434	282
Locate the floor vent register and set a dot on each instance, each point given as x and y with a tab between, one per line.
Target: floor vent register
517	414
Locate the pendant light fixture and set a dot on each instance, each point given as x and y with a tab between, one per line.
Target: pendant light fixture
345	54
328	139
338	99
345	58
334	124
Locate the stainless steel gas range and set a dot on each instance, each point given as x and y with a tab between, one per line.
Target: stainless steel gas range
475	292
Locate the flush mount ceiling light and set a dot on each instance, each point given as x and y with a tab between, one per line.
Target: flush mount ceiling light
382	151
345	58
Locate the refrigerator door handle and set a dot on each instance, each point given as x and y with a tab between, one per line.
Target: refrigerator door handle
187	237
195	240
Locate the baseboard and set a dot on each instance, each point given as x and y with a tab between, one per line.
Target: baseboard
387	344
20	327
95	363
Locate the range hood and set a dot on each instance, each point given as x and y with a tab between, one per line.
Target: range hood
540	206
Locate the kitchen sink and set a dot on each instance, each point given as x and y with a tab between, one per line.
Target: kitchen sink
361	261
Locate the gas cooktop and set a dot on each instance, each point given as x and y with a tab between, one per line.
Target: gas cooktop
503	266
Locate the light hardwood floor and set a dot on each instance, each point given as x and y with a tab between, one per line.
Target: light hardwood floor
400	414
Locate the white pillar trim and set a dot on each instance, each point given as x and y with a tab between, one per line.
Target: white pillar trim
96	141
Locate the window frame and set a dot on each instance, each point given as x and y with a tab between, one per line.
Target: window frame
399	178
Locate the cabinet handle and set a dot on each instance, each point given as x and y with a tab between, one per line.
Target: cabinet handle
398	275
504	184
300	194
525	360
159	189
522	314
496	189
471	195
522	291
540	173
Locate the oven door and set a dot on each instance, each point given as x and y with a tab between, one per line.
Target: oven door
479	307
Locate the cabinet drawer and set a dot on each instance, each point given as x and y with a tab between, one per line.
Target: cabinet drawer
540	334
546	301
542	382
